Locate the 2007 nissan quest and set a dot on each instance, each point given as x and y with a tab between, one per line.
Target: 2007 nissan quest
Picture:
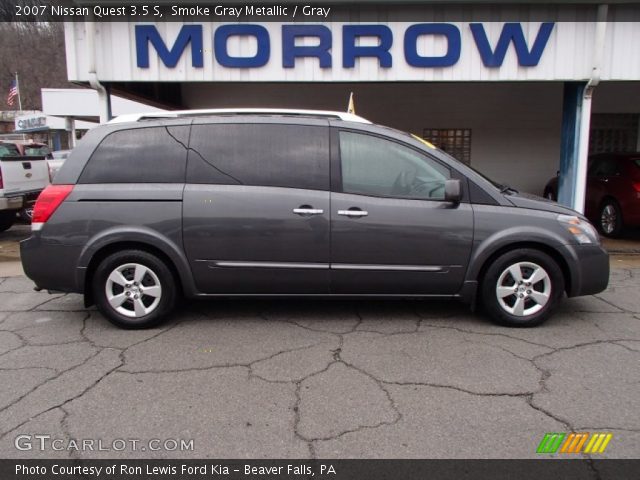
295	203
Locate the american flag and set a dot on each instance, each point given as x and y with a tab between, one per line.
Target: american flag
13	92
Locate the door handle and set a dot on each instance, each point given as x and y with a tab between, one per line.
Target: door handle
353	212
307	210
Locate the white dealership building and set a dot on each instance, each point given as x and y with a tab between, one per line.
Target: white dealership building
518	91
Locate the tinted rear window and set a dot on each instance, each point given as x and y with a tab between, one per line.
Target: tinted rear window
295	156
8	150
41	150
141	155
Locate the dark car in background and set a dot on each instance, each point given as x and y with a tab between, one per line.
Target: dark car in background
613	191
296	203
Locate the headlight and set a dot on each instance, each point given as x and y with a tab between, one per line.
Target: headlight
581	230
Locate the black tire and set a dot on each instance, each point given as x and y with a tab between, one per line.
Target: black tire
610	221
7	219
26	214
523	260
157	274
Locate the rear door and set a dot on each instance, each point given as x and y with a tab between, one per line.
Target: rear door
256	207
391	230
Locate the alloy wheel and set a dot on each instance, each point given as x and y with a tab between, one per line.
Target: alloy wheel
608	219
523	289
133	290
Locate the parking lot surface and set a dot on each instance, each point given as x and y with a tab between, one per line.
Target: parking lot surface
315	378
347	379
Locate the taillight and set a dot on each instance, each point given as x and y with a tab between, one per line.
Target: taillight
636	185
48	202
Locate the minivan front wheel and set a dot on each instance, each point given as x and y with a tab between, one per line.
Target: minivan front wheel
134	289
521	288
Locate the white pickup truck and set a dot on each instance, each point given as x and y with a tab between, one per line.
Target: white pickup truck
22	178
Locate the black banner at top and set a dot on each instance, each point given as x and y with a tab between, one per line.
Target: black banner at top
305	11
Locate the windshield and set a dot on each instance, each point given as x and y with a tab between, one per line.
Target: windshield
454	159
492	182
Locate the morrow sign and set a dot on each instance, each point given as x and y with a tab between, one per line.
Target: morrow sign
358	41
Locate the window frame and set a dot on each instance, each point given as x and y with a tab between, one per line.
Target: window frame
336	166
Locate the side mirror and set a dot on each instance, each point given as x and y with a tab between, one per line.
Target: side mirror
452	191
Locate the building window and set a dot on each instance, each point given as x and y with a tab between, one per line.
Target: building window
455	141
613	132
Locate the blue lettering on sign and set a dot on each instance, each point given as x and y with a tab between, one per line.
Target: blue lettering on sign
511	32
291	51
222	35
492	57
350	51
146	34
414	32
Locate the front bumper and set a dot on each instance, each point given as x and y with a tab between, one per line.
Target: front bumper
589	269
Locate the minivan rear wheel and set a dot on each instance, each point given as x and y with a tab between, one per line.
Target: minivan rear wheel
521	288
134	289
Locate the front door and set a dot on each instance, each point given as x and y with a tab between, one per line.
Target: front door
256	208
391	230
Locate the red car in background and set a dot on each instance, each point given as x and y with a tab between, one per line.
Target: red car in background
613	191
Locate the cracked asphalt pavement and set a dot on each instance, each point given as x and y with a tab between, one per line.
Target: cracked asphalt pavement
326	379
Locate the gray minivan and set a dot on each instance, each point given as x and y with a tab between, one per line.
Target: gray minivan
296	203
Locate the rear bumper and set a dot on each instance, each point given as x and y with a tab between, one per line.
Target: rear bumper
589	269
18	201
11	203
51	266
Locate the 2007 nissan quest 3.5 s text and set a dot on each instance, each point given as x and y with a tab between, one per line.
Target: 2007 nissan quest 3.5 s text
295	203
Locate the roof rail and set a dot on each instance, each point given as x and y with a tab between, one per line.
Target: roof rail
136	117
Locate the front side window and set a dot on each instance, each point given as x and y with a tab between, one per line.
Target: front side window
605	167
379	167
